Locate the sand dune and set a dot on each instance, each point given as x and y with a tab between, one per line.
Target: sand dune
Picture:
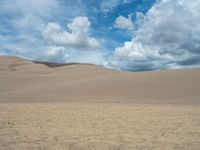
26	81
87	107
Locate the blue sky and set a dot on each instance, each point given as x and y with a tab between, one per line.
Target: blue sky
123	34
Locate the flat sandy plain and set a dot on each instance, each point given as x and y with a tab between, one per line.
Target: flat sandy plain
87	107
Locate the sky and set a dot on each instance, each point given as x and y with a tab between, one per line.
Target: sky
132	35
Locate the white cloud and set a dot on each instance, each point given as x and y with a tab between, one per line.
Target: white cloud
109	5
23	21
73	44
76	37
28	14
167	37
54	54
62	54
124	23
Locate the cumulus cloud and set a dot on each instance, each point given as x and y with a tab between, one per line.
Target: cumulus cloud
76	37
71	44
124	23
167	37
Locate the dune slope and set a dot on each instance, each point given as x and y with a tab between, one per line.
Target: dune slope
26	81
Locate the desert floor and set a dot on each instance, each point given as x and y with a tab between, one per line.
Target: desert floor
91	126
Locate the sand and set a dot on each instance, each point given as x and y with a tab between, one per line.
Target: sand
72	126
25	81
88	107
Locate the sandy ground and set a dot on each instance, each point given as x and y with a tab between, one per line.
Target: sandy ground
99	127
25	81
87	107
